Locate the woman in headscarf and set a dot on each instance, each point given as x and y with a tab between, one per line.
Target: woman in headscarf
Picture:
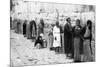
41	27
87	42
18	26
57	39
33	29
50	38
78	38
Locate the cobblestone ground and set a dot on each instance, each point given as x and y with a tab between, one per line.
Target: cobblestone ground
24	53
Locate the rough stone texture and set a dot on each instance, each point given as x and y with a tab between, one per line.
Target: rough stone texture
23	52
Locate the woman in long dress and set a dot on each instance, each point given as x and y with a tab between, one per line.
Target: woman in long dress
19	27
56	34
77	41
87	42
33	29
41	27
50	38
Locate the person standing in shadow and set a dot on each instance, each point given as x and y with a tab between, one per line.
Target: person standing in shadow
68	45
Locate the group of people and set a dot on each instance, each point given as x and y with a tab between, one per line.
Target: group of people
32	30
35	32
77	40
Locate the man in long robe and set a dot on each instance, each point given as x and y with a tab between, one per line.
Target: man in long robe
24	27
68	38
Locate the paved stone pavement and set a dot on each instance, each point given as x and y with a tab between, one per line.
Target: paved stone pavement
24	53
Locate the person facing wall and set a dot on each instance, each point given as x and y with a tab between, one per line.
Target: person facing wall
41	27
33	29
24	27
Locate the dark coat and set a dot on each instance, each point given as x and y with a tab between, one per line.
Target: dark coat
18	27
68	38
78	32
24	28
33	29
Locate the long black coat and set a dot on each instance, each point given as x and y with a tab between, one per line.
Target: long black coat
68	38
24	28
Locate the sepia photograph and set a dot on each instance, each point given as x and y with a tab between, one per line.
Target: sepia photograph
45	33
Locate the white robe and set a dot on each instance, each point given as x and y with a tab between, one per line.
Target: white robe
56	34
